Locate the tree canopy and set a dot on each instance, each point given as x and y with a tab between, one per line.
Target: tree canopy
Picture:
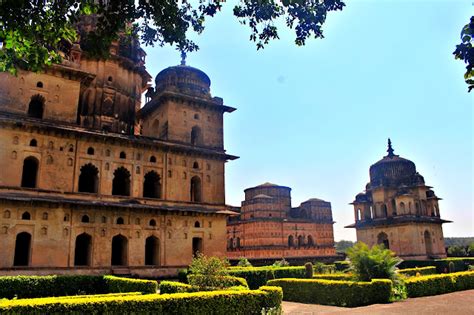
32	32
465	52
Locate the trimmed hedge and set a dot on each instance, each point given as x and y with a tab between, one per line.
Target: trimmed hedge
116	284
176	287
216	282
423	271
333	276
339	293
218	302
342	265
47	286
258	276
442	265
439	284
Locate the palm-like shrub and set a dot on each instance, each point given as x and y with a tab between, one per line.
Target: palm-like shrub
372	263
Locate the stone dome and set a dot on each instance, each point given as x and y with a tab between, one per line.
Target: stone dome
392	170
184	79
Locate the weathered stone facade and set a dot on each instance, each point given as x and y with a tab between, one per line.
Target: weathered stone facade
90	182
398	210
268	228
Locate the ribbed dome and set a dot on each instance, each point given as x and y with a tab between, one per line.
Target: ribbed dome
183	79
392	170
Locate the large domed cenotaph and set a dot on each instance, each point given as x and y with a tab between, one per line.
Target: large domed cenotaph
399	210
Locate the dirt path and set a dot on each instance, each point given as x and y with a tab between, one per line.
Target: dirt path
458	303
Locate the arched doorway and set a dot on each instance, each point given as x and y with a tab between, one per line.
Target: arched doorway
197	246
121	182
196	136
36	106
428	243
152	185
382	238
119	250
83	250
30	172
152	251
196	189
291	241
310	240
22	249
89	179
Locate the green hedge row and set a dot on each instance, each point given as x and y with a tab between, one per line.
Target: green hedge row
423	271
439	284
216	282
333	276
339	293
258	276
46	286
217	302
167	287
442	265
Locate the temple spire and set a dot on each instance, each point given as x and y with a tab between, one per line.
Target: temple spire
183	58
390	149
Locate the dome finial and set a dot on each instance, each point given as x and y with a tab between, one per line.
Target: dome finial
390	149
183	58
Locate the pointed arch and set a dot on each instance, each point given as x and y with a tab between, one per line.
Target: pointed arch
121	182
291	241
83	250
119	250
152	185
89	179
196	189
22	249
36	106
152	251
26	216
382	238
196	136
29	175
428	243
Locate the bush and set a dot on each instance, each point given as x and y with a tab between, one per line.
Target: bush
183	275
115	285
442	265
244	262
258	276
43	286
333	276
176	287
372	263
281	263
411	272
339	293
342	265
439	284
215	282
319	267
208	266
308	270
219	302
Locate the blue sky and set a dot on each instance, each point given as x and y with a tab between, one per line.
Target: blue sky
316	117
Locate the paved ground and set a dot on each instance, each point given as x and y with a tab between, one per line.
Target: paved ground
458	303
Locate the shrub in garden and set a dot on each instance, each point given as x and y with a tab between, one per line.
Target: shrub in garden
176	287
320	267
281	263
372	263
215	282
208	266
411	272
309	270
340	293
439	284
42	286
342	265
333	276
244	262
199	303
258	276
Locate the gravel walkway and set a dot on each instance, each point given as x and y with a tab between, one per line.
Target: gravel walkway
458	303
